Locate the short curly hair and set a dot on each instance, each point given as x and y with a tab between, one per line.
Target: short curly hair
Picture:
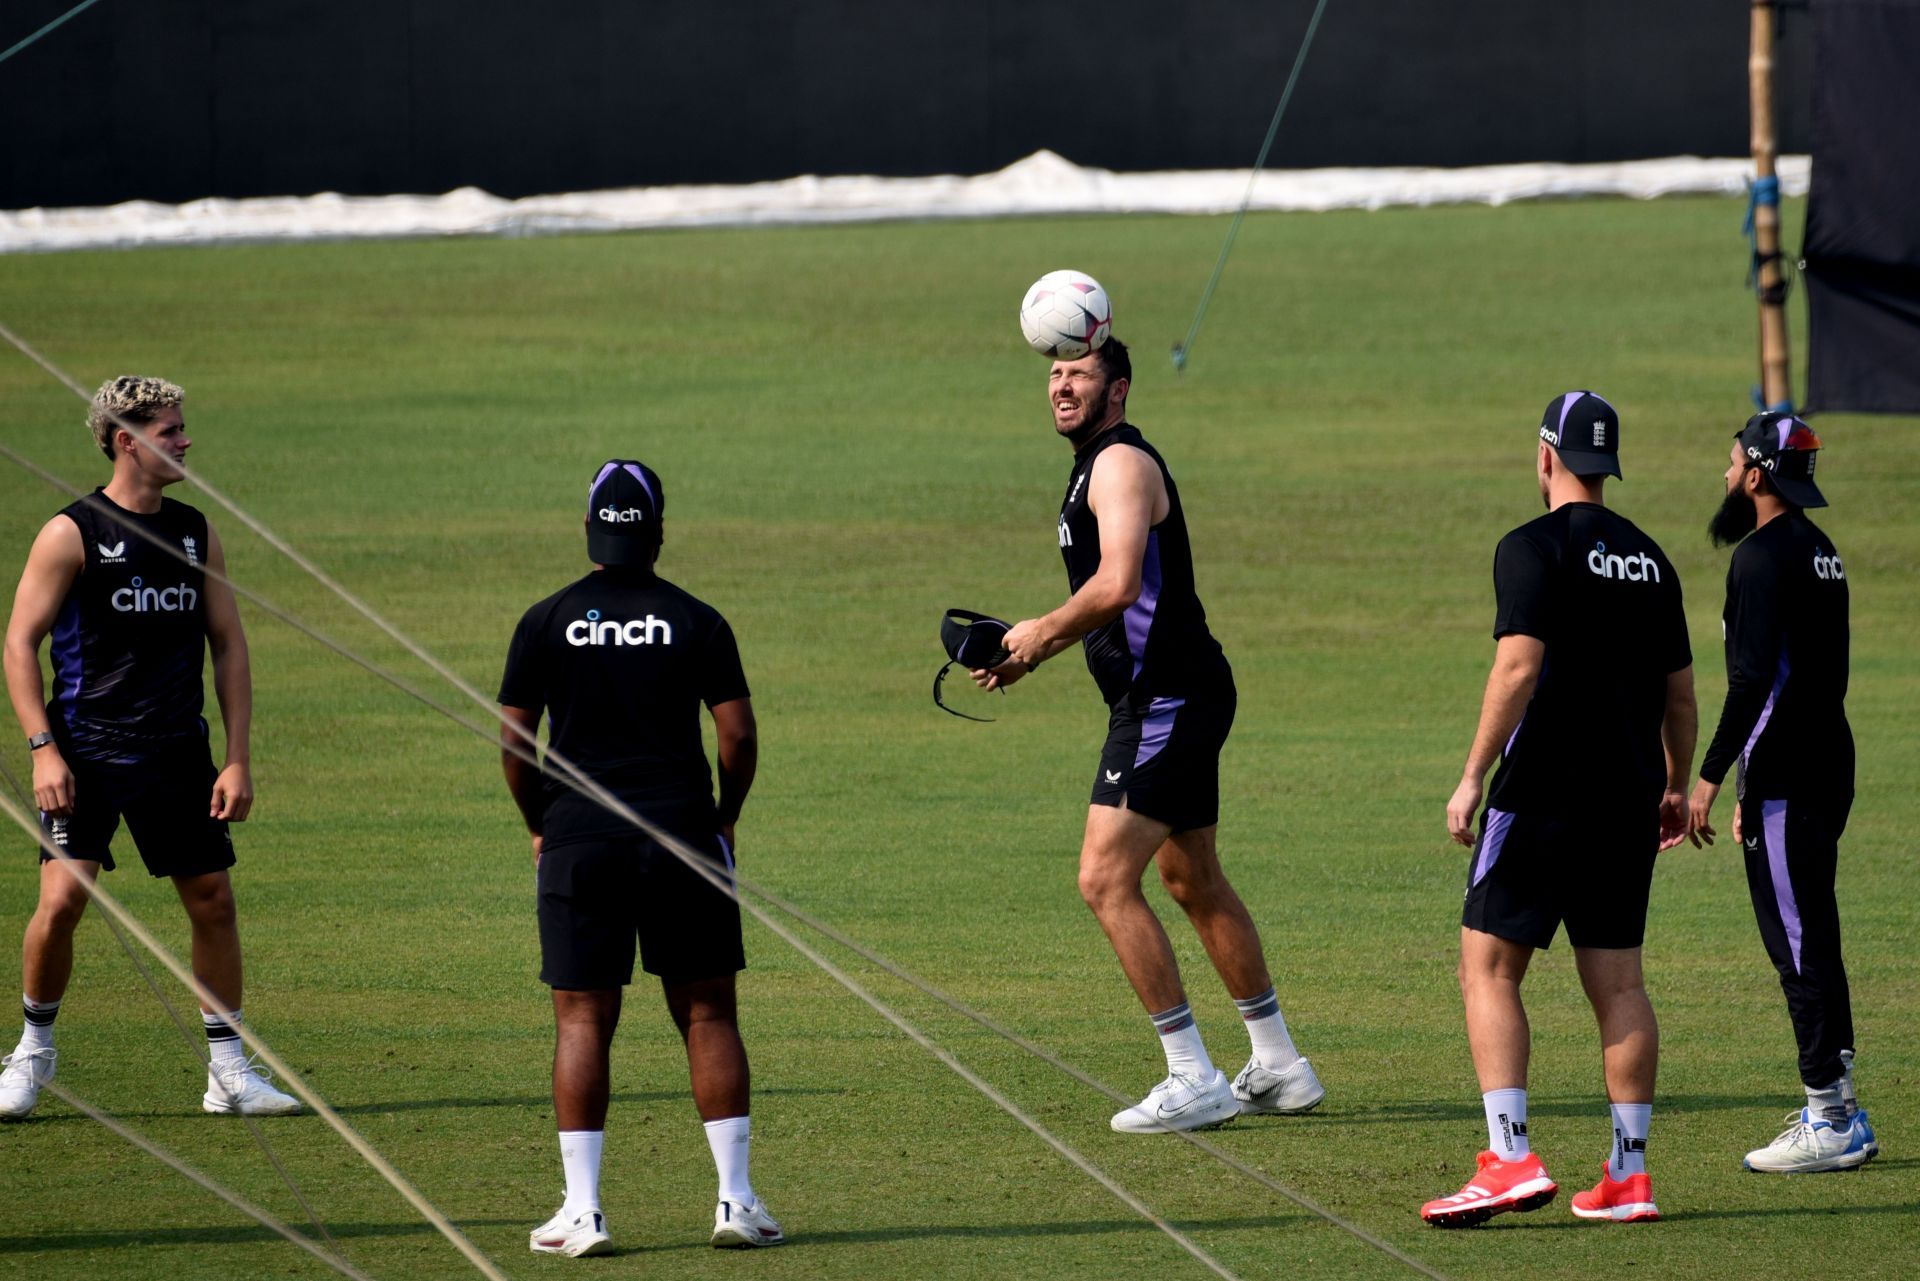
129	398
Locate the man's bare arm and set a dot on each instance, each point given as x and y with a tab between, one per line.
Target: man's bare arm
1126	492
520	734
53	566
1516	670
232	687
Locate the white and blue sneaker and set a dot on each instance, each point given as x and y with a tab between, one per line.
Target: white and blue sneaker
1869	1142
1181	1102
1811	1145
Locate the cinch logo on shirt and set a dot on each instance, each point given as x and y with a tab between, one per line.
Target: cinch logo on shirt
1639	568
147	600
594	630
1066	535
625	517
1828	567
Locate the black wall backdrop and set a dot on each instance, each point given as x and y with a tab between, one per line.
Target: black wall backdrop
175	99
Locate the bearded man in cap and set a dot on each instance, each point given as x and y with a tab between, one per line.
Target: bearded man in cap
621	660
1589	710
1785	726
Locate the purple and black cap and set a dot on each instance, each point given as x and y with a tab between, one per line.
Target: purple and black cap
1586	432
1784	447
624	507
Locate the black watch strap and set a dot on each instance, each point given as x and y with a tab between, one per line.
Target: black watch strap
37	741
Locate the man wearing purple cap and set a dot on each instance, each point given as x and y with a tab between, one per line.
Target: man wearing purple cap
622	660
1589	711
1785	726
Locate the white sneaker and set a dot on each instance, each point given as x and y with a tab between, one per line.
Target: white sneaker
1181	1102
22	1073
573	1235
1296	1089
240	1086
1810	1145
737	1226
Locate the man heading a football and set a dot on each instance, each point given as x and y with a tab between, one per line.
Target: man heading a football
1156	791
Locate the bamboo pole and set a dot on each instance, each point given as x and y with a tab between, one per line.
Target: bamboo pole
1776	374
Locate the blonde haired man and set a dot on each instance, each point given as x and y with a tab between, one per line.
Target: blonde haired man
122	736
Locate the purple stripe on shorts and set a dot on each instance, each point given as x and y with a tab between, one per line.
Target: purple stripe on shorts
1156	729
1773	823
1766	713
1492	837
1139	616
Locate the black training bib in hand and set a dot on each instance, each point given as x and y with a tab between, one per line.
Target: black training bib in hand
973	641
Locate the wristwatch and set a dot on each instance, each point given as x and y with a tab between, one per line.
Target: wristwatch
40	740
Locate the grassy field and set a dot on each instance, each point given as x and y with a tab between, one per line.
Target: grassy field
853	438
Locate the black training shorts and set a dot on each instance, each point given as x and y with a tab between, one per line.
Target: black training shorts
599	895
1532	871
1163	759
165	802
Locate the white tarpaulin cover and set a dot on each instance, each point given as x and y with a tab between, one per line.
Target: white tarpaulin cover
1043	183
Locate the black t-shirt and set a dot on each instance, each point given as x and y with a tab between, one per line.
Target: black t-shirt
1606	602
129	641
1160	646
622	662
1785	718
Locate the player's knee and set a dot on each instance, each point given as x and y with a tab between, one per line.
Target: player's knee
212	907
1102	886
60	909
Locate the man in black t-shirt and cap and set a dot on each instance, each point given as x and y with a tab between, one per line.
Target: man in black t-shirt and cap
622	660
1590	712
1784	726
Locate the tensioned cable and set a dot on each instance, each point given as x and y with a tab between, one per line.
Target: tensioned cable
239	1203
50	28
686	853
1183	349
194	1045
111	905
559	766
113	908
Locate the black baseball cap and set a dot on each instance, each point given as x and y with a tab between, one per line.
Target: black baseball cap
624	507
1586	432
1784	447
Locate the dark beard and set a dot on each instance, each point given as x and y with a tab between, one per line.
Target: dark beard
1735	519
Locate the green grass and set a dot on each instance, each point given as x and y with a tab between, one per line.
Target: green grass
852	439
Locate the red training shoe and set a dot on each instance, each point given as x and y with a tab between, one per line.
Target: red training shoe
1628	1201
1498	1187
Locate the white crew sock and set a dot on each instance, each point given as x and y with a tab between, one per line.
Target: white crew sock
37	1031
731	1142
1847	1095
1267	1029
1629	1155
1506	1123
1180	1040
580	1158
223	1043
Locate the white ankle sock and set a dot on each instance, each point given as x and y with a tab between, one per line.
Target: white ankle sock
223	1043
1629	1155
1506	1123
1829	1104
37	1030
731	1142
1180	1040
580	1158
1267	1029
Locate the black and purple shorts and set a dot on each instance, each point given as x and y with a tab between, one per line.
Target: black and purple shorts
1162	759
